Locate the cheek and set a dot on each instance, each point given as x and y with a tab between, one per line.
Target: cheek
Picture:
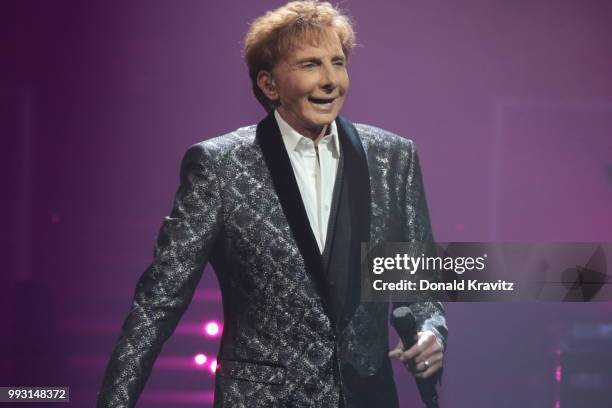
297	93
305	85
346	83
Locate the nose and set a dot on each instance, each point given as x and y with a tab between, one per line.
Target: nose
329	78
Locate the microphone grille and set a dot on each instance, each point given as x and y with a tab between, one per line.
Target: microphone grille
403	312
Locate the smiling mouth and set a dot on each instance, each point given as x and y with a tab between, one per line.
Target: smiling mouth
321	101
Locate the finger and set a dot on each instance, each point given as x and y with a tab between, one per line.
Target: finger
427	348
397	351
412	352
428	353
423	340
430	371
430	345
425	364
411	366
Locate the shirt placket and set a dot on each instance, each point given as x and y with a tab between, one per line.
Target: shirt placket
311	167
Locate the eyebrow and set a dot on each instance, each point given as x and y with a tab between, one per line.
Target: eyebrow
317	59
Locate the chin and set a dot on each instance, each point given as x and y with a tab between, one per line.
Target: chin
324	119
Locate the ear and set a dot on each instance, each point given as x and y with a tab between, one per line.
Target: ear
266	84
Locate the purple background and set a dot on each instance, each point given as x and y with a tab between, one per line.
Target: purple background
509	102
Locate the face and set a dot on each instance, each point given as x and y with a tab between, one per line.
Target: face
309	85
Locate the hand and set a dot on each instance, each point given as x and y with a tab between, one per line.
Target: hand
424	358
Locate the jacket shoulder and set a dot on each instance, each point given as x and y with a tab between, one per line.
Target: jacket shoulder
378	138
231	146
228	142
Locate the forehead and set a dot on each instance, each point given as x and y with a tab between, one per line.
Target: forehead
314	44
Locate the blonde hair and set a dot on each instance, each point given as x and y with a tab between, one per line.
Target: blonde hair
273	35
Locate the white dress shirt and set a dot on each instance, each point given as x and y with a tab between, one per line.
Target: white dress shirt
315	174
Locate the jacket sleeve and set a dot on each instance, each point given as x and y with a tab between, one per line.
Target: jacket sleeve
166	287
429	313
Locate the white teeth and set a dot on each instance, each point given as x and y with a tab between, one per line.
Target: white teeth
323	105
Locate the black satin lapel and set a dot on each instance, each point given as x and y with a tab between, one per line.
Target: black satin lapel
333	215
275	155
357	176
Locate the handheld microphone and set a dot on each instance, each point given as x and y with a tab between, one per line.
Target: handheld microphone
405	325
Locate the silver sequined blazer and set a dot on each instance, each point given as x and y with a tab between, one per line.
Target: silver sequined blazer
239	207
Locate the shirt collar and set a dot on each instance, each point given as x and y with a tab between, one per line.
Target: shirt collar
292	138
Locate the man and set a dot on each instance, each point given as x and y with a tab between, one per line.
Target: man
280	209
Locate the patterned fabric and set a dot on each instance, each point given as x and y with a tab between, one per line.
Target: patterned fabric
279	347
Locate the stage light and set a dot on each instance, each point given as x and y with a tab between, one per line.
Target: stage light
558	373
200	359
213	366
212	329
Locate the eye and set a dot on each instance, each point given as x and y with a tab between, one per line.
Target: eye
339	63
309	65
